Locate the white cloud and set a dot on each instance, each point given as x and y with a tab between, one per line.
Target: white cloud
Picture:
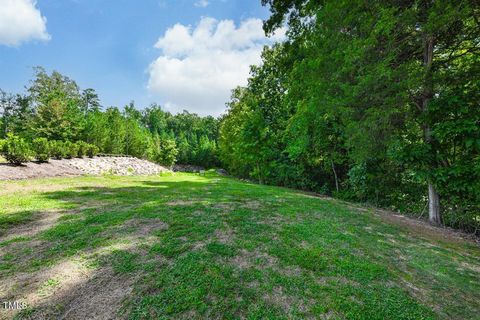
21	21
200	66
201	3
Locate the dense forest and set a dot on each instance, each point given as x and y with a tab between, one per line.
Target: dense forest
371	101
375	102
56	110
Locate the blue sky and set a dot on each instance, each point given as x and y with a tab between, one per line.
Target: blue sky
183	54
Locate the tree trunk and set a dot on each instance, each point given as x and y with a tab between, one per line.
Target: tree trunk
335	175
434	215
433	205
260	180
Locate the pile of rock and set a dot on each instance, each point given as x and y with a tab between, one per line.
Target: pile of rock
75	167
122	166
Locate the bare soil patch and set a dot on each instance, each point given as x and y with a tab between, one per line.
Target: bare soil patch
181	203
40	222
416	226
79	293
30	170
224	235
424	228
71	290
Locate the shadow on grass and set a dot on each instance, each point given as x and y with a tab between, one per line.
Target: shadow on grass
225	249
96	227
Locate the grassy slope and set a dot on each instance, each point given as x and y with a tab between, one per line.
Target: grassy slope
233	249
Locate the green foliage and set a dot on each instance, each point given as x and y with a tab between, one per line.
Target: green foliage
16	150
3	142
41	149
165	151
71	149
366	101
57	99
16	114
58	110
57	149
115	133
206	154
350	105
91	150
195	137
82	149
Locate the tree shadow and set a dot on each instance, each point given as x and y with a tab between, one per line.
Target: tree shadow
96	225
107	238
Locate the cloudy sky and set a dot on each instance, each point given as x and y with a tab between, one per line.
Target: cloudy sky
183	54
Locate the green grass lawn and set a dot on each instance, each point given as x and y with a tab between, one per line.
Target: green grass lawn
187	246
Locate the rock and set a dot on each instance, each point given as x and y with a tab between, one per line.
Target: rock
222	172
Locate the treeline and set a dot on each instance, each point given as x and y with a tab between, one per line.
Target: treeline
56	109
371	101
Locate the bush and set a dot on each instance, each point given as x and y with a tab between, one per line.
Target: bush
16	150
57	149
82	149
41	149
2	144
71	149
92	150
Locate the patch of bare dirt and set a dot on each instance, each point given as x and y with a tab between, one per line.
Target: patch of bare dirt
258	259
224	235
145	227
312	195
43	285
180	203
80	294
471	267
274	220
40	222
329	315
99	298
286	302
421	227
415	226
253	205
226	206
341	280
71	290
199	245
248	259
53	168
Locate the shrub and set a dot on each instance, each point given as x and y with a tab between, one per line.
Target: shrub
92	150
82	149
41	149
2	144
71	149
16	150
57	149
